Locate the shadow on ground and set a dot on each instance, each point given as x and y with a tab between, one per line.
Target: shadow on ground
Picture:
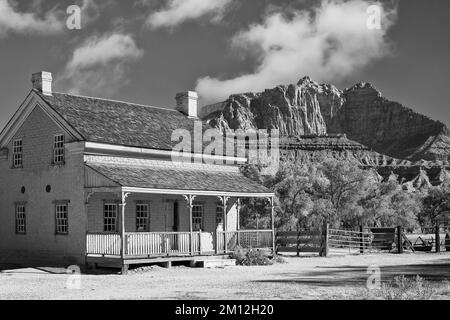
9	269
351	276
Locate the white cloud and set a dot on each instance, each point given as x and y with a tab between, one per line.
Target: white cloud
13	21
328	43
100	64
177	12
91	10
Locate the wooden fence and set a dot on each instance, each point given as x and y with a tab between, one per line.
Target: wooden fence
391	239
299	242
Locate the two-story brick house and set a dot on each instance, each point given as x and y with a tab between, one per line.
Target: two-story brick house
88	180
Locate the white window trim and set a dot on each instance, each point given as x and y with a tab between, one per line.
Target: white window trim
147	219
116	218
60	219
219	206
59	156
19	154
201	217
24	218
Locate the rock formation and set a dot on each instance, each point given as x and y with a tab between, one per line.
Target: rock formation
319	120
360	112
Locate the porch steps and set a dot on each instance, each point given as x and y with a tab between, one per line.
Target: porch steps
214	263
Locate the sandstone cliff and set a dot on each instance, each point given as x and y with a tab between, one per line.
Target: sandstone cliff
388	127
360	112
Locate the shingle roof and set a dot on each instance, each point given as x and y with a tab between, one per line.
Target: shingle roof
178	179
121	123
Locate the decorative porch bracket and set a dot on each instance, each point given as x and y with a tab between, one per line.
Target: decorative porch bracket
89	194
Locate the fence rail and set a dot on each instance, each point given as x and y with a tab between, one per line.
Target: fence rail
230	240
299	241
161	243
176	243
103	244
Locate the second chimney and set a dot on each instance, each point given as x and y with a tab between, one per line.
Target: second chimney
42	81
187	103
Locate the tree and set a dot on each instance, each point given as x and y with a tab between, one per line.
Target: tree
339	192
388	203
311	193
435	202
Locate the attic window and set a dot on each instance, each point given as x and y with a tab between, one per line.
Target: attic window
17	154
58	149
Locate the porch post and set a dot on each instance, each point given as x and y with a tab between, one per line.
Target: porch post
238	224
272	205
86	208
224	200
122	230
238	206
190	200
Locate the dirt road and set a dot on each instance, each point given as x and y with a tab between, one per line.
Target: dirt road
335	277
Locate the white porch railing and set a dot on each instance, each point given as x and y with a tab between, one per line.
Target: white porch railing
103	244
175	243
161	243
245	239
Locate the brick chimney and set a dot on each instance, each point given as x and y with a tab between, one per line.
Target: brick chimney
187	103
42	81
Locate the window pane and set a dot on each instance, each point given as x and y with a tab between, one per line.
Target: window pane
142	217
58	149
197	217
20	219
110	217
62	219
219	214
17	153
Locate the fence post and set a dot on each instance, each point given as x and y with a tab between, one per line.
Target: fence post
217	241
438	239
238	238
399	239
324	249
298	242
200	242
361	240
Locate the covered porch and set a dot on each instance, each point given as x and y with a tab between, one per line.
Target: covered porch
138	225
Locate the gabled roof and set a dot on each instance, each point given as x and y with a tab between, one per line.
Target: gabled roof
170	178
119	123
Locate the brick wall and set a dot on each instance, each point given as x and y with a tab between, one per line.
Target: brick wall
41	244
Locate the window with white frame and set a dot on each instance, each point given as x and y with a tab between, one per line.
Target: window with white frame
219	214
197	217
62	218
21	220
142	217
58	149
110	217
17	153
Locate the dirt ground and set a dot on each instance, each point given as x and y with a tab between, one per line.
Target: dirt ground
334	277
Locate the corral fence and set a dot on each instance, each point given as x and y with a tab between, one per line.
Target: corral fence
304	241
434	238
365	240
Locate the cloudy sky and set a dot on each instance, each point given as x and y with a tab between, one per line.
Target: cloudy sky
146	51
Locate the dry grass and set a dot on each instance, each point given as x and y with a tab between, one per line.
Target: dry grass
409	288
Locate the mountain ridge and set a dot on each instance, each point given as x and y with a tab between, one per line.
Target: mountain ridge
360	112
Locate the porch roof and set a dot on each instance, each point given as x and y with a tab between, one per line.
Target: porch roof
180	180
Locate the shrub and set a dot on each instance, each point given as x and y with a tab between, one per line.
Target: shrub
251	257
279	259
404	288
